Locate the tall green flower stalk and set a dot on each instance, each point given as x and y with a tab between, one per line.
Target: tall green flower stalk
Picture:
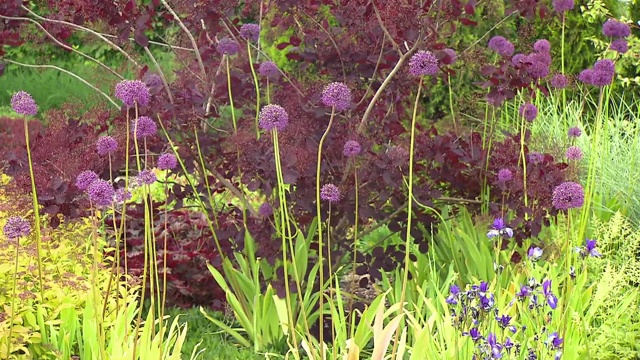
256	83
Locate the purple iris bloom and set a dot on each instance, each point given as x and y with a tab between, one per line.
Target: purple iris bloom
524	292
552	300
452	299
496	348
487	302
474	333
508	344
591	248
535	253
554	340
499	228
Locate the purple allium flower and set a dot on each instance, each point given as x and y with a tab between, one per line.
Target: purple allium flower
518	59
542	46
619	45
552	300
535	253
250	32
501	45
575	132
574	153
499	228
586	76
265	210
152	80
563	6
423	63
16	227
85	178
273	117
535	157
23	104
146	177
131	92
538	64
450	56
228	46
269	69
528	111
144	127
122	195
330	193
559	81
606	65
101	193
601	78
351	148
505	175
568	195
554	341
337	95
615	29
167	161
106	145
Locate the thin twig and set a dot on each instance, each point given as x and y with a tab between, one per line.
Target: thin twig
162	77
234	191
384	29
66	72
487	33
193	41
164	44
76	26
63	45
185	66
344	74
375	70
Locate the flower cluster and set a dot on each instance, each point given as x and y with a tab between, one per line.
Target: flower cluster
499	228
574	132
563	6
23	104
589	249
574	153
330	193
144	127
528	111
351	148
101	193
269	70
132	92
615	29
251	32
533	293
167	161
423	63
559	81
600	75
106	145
146	177
337	95
501	45
228	46
16	227
273	117
568	195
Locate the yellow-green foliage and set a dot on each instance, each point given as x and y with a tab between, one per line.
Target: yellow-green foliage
67	271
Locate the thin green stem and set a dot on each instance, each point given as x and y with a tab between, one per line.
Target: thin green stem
14	295
233	110
255	81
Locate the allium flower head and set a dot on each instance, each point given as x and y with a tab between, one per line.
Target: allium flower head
559	81
121	195
330	193
131	92
563	6
585	76
23	104
538	64
228	46
273	117
423	63
601	78
518	59
535	157
16	227
568	195
501	45
615	29
85	178
450	56
101	193
144	127
106	145
505	175
528	111
606	65
574	153
575	132
619	45
269	69
351	148
167	161
542	46
146	177
250	32
265	210
337	95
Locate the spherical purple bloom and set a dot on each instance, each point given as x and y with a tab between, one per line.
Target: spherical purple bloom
131	92
528	111
330	193
601	78
563	6
351	148
228	46
505	175
146	177
606	65
144	127
575	132
337	95
167	161
250	32
619	45
542	45
85	178
615	29
568	195
559	81
106	145
501	45
152	80
586	76
535	157
23	104
122	195
423	63
273	117
574	153
16	227
518	59
101	193
269	69
538	64
265	210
